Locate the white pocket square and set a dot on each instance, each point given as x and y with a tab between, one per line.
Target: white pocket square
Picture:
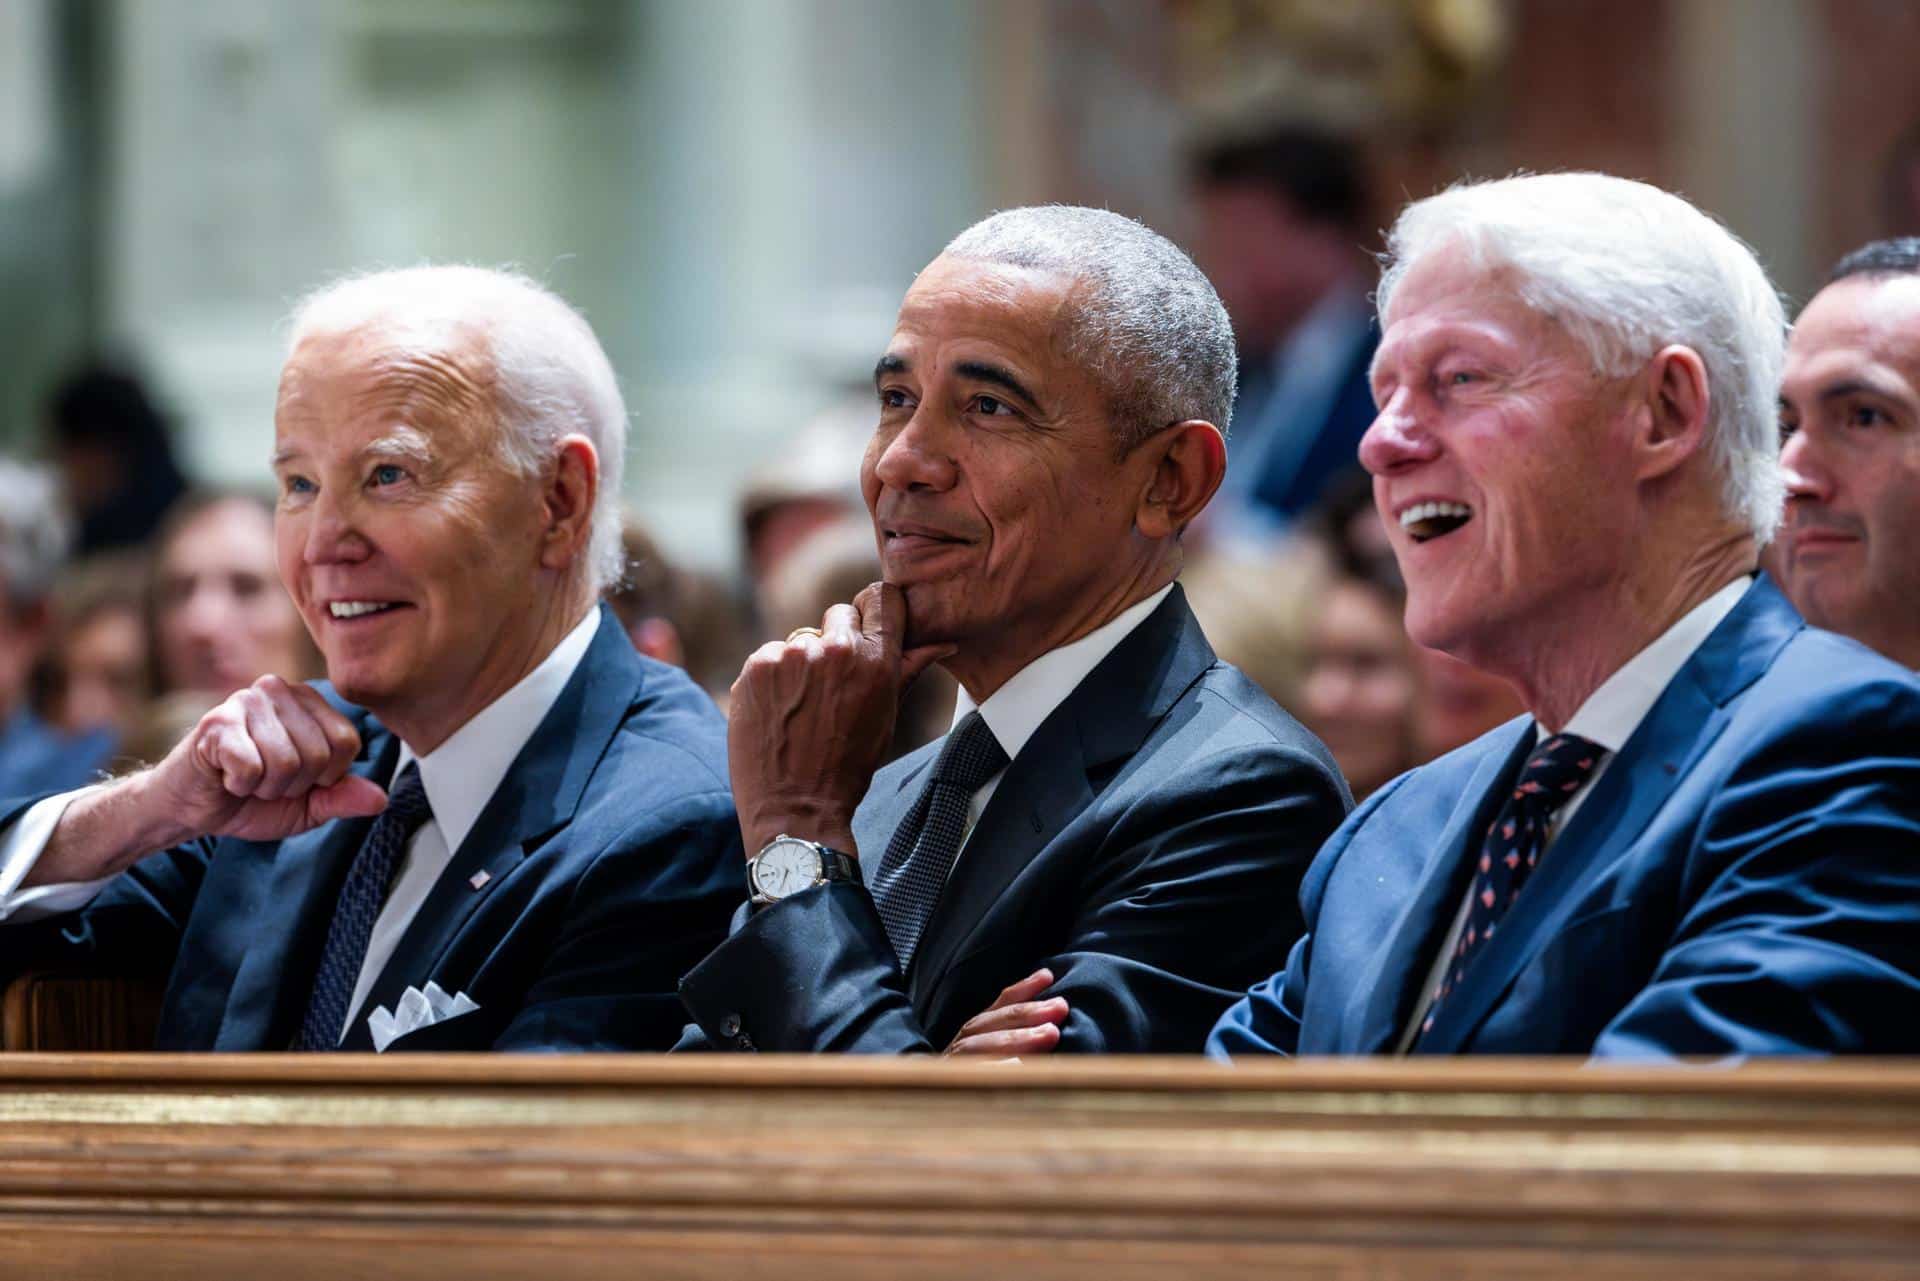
414	1010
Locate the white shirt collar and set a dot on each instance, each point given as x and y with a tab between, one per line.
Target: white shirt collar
1612	712
1015	710
461	775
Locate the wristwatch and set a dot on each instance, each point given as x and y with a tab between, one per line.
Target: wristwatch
786	865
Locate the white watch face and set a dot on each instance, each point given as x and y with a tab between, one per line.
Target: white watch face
785	868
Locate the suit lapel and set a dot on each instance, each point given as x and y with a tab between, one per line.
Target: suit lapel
537	797
271	990
1682	724
1055	776
1420	932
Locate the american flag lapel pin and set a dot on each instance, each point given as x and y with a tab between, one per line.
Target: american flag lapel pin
479	878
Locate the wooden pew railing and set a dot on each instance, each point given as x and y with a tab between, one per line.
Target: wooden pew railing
286	1168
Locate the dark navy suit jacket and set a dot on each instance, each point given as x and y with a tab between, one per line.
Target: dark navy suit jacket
612	859
1143	846
1743	879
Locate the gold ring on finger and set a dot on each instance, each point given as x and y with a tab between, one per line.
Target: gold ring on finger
798	632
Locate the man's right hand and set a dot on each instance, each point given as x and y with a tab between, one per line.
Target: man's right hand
268	762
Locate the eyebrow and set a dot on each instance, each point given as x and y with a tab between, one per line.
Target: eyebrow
1855	387
401	442
997	376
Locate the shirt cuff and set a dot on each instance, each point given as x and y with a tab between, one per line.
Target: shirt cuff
21	843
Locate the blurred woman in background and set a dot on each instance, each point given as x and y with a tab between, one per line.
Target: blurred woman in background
220	617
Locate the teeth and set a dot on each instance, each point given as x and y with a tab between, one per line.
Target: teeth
355	608
1428	511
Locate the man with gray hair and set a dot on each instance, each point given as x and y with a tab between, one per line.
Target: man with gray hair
497	826
33	547
1111	836
1701	840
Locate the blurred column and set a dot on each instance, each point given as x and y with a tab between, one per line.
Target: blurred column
795	164
44	298
1745	114
221	206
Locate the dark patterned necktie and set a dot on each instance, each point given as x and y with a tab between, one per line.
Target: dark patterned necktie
362	896
923	848
1511	851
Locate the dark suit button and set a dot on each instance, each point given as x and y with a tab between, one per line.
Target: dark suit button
730	1026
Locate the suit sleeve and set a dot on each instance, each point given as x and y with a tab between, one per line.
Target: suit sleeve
1800	930
1189	899
649	907
1266	1020
132	927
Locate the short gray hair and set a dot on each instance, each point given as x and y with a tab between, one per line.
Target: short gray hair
34	533
1626	268
552	379
1145	320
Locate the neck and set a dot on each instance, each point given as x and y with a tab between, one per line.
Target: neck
983	669
1558	664
424	729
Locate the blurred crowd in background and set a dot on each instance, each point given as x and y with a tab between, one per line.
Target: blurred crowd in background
1271	138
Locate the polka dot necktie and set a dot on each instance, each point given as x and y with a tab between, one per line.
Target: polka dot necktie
923	847
1555	771
362	896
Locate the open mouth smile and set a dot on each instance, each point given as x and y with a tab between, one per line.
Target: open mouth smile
1425	522
349	609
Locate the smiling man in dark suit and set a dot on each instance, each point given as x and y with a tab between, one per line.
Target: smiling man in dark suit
1110	838
1701	840
554	841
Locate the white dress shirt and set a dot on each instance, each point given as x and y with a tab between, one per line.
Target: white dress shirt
1609	717
460	777
1018	708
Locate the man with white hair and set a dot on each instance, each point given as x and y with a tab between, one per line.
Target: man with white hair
1117	819
33	545
497	827
1701	840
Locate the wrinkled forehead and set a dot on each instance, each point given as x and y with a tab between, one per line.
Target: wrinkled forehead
436	377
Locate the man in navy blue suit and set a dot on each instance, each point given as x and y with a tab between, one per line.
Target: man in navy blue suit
498	827
1108	843
1702	840
1850	414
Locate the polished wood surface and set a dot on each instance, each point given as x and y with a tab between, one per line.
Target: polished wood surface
69	1012
723	1166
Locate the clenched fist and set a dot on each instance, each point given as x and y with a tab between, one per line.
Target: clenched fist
268	762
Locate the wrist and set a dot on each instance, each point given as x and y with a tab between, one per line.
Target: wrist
830	828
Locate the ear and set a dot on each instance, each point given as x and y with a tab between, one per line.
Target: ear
1677	404
566	507
1188	459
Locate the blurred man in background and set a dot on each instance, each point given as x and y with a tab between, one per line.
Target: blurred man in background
1850	417
115	454
1283	236
34	756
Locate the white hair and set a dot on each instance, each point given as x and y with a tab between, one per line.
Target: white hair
1626	269
34	533
551	377
1146	321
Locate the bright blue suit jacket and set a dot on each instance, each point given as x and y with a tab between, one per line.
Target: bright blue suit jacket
611	857
1743	879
